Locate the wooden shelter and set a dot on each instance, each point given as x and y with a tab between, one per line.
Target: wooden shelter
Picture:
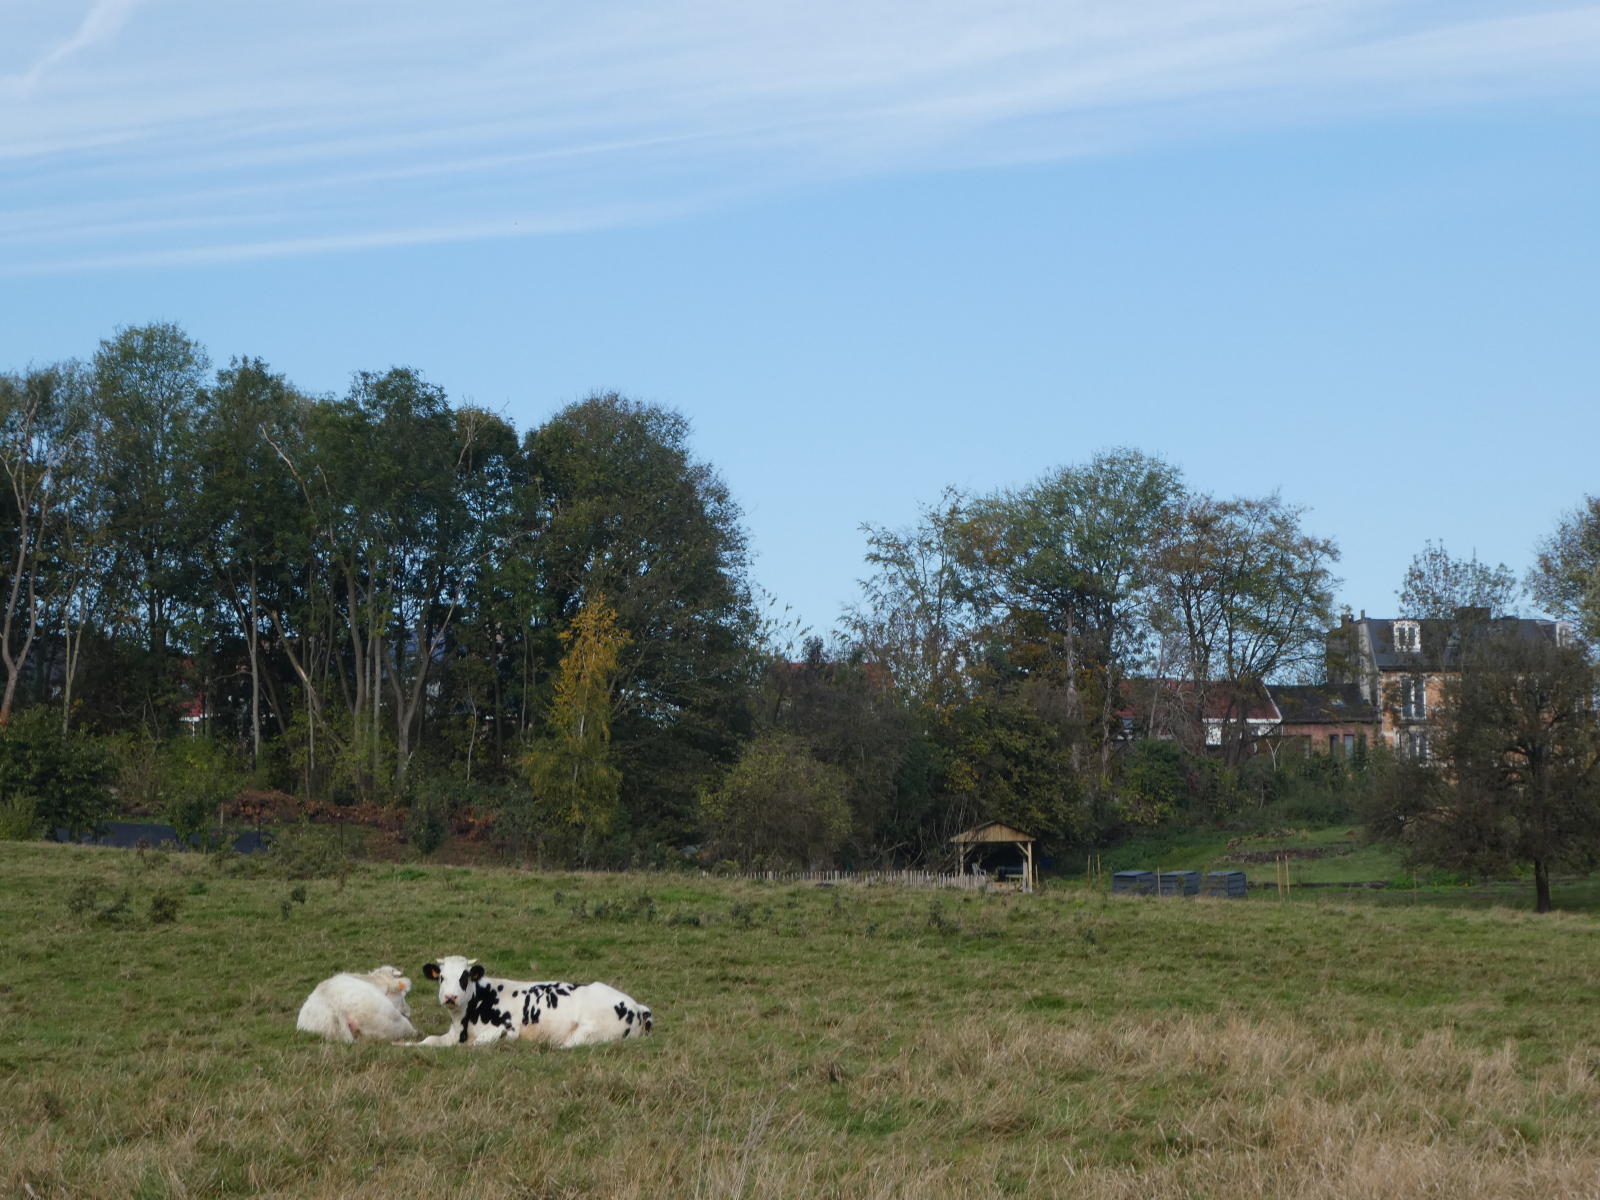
994	833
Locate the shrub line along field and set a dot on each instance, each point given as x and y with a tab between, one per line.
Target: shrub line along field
843	1041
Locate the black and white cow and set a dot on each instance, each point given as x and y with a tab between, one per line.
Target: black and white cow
485	1009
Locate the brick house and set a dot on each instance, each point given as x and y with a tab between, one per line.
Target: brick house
1399	666
1325	718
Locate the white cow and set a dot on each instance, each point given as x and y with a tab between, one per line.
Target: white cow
347	1007
485	1009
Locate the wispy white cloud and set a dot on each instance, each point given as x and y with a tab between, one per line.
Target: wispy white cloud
204	132
100	23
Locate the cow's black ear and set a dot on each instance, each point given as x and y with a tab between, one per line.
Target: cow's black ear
477	971
431	971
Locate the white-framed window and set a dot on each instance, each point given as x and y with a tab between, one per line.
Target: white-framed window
1413	698
1417	744
1563	633
1407	637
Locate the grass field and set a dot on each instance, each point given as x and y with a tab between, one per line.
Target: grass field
809	1041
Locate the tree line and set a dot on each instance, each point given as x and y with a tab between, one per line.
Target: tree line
381	597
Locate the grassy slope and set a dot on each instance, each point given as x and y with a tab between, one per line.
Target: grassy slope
810	1042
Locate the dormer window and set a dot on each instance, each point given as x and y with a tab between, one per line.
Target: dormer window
1408	637
1563	633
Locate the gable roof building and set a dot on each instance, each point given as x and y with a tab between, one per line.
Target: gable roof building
1398	665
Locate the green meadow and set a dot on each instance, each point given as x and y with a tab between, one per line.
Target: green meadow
810	1041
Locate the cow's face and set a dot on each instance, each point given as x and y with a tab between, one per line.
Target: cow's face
457	977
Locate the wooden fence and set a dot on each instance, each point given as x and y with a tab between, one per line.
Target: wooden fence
922	879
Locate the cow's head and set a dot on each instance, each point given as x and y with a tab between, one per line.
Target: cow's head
456	976
394	985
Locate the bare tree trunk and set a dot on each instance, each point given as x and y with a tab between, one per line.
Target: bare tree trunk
255	675
74	652
1074	701
1541	884
22	580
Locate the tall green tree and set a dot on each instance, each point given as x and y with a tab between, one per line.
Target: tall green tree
914	619
1438	584
149	382
1066	564
401	493
255	529
625	510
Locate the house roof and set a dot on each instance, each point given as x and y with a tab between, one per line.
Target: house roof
1442	639
1221	701
1323	704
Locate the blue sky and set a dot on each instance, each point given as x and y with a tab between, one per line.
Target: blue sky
1346	249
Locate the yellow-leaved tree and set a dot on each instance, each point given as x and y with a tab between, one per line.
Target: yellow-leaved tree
575	787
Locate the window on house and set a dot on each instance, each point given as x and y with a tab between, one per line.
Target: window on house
1349	744
1407	637
1413	698
1563	633
1417	745
1333	745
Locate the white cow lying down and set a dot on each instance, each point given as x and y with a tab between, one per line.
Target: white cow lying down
347	1007
485	1009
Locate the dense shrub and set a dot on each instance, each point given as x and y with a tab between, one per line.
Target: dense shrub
778	806
67	775
1155	783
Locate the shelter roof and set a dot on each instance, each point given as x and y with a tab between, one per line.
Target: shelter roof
991	831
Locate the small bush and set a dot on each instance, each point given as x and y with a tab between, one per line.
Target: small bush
164	906
307	851
80	900
938	922
19	817
428	818
118	912
296	896
198	776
